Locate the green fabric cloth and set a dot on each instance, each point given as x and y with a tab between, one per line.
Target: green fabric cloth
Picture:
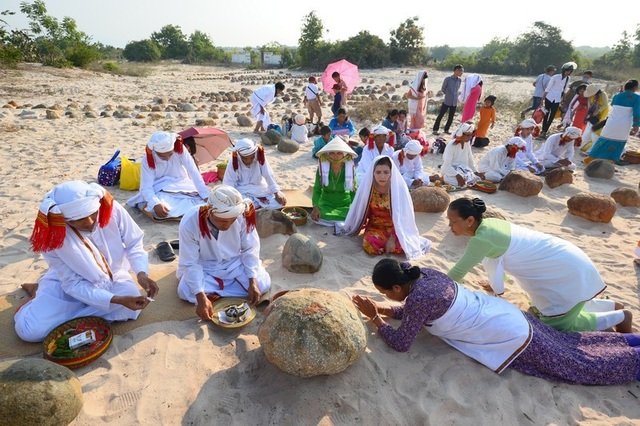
574	320
492	240
332	200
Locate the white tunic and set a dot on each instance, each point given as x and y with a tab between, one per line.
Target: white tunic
527	158
410	169
454	159
496	164
255	182
176	182
233	258
368	155
299	133
262	97
77	283
552	152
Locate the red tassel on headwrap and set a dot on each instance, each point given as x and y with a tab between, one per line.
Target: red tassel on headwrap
392	139
401	157
564	140
250	217
149	153
106	208
178	146
578	141
48	233
260	155
535	132
202	222
234	160
370	142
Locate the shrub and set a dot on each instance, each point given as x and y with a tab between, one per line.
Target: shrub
112	67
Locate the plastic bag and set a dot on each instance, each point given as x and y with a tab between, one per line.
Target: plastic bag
130	174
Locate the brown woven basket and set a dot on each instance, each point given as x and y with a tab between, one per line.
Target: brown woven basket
297	214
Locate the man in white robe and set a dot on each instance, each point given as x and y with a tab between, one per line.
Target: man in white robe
259	99
250	173
170	182
408	160
558	149
526	160
219	252
90	243
458	166
501	160
380	142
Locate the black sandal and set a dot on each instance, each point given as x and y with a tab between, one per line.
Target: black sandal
165	252
175	244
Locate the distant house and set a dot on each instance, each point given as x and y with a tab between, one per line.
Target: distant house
241	58
270	58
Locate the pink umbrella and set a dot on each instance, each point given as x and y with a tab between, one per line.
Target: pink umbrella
210	142
348	74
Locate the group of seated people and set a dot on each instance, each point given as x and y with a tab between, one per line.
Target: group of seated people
90	242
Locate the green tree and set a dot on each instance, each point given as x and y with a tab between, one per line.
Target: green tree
365	50
407	43
172	42
309	43
201	49
142	51
542	46
440	53
636	50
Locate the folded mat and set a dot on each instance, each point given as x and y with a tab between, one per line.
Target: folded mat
299	197
167	307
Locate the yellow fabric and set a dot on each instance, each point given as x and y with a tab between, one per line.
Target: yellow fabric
130	175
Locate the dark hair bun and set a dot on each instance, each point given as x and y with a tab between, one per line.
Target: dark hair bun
413	272
479	205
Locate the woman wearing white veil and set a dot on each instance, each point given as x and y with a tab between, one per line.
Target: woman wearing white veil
417	100
383	206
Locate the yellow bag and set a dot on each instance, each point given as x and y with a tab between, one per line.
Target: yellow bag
130	174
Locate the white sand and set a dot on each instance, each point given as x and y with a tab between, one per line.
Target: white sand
195	373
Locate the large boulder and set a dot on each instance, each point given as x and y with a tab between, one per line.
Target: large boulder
593	207
626	197
271	137
301	254
600	169
269	222
288	146
312	332
430	199
521	183
38	392
244	121
559	176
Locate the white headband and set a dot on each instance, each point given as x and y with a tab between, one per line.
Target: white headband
226	202
74	200
162	142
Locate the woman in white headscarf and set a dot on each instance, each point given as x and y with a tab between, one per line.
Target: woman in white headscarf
470	95
417	100
383	207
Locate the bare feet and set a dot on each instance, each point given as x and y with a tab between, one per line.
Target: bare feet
30	288
637	261
625	326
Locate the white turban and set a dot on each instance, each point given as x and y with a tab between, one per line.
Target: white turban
572	132
413	147
74	199
245	147
529	123
464	128
518	141
162	142
226	202
380	130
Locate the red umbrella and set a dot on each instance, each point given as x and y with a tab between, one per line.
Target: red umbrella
210	142
348	74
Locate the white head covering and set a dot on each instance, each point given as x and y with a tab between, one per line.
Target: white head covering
529	123
518	141
300	120
245	147
162	142
414	87
226	202
464	128
380	130
591	90
403	217
471	81
572	132
74	199
413	147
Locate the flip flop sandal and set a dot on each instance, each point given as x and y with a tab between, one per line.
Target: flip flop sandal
175	244
165	252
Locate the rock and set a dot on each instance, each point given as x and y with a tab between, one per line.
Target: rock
14	104
600	169
301	254
244	121
593	207
40	106
27	114
311	332
559	176
269	222
186	108
521	183
288	145
53	115
430	199
38	392
626	197
91	114
207	121
271	137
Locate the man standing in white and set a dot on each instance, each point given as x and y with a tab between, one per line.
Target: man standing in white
170	182
219	252
312	100
259	99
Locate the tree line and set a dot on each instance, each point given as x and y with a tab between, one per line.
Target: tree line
60	43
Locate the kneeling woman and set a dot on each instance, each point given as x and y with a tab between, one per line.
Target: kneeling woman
493	331
383	206
335	184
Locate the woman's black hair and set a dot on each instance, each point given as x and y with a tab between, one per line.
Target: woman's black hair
342	111
402	111
389	272
279	86
384	161
190	143
392	113
466	207
630	84
581	86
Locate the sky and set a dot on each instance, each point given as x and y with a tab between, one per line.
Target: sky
243	23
